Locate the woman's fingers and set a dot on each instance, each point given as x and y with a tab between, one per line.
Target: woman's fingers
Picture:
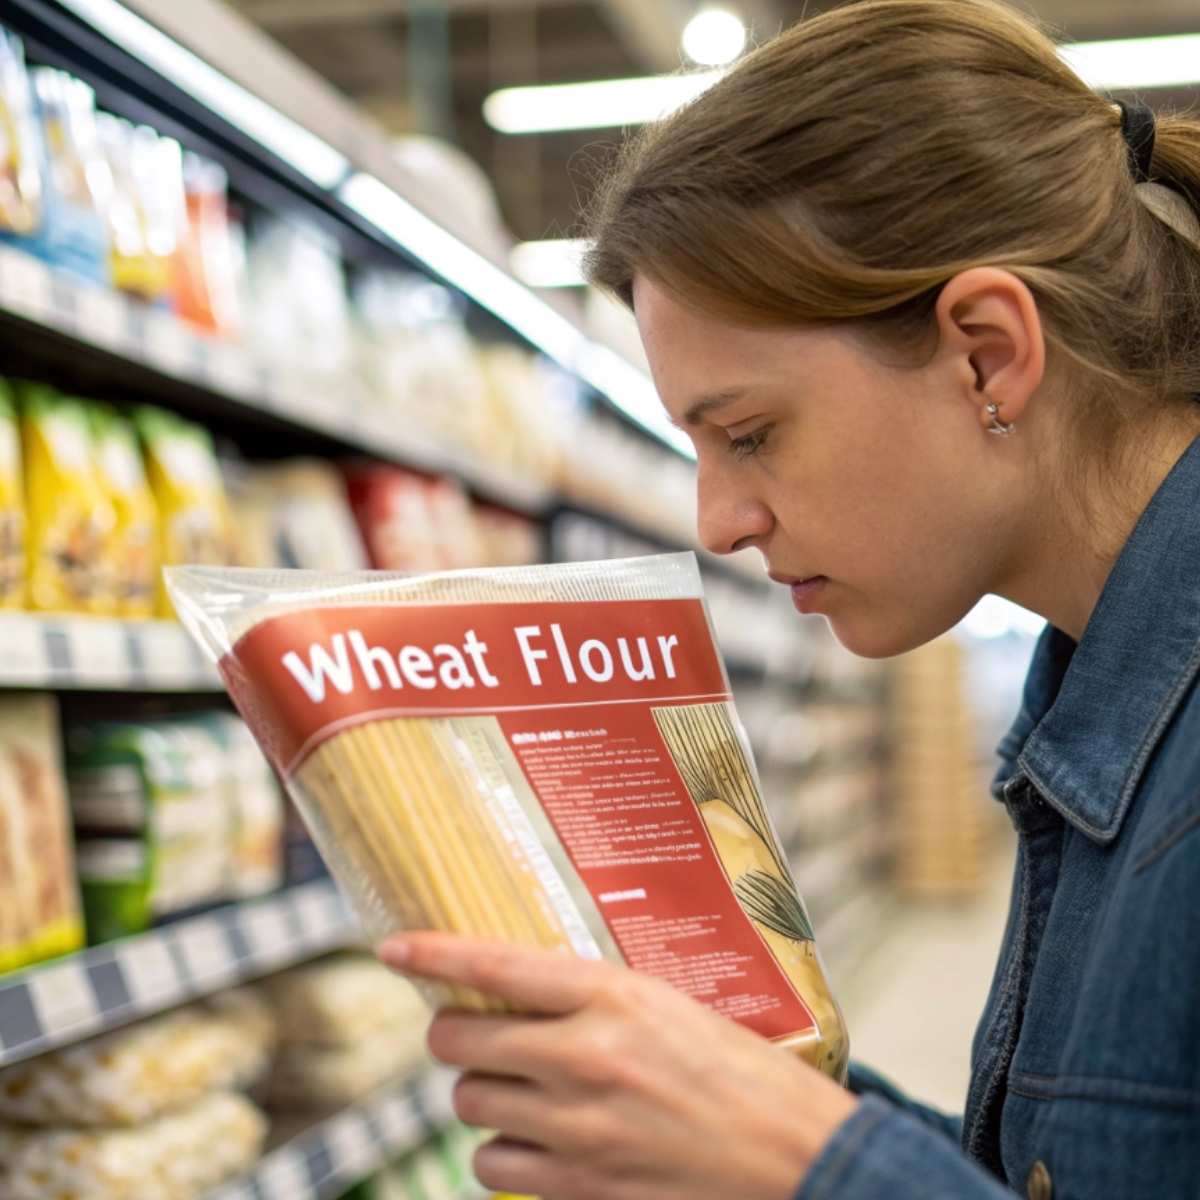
514	1108
515	1046
505	1165
529	979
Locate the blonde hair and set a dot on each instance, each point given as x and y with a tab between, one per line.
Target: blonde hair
846	170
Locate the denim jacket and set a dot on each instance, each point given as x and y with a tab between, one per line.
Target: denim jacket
1086	1065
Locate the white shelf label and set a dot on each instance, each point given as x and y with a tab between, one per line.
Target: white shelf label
283	1176
62	997
150	972
99	652
25	285
318	914
102	318
23	657
166	652
352	1148
230	370
206	951
267	933
400	1124
168	343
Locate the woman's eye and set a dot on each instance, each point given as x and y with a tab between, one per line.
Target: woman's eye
751	444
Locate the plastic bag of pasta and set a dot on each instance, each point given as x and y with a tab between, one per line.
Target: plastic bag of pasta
548	755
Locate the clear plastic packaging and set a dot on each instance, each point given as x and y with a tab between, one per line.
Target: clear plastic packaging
547	755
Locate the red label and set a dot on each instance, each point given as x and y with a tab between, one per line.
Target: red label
611	789
574	687
303	677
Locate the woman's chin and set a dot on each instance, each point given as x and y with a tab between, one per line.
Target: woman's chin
869	639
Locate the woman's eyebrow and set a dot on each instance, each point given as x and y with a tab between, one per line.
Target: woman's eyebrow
702	406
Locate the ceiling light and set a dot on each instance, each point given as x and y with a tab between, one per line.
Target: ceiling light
462	266
1132	63
714	37
632	392
285	138
609	103
550	264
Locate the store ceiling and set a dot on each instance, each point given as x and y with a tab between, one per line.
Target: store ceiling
427	65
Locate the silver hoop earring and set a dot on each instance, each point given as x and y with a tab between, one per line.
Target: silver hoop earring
999	427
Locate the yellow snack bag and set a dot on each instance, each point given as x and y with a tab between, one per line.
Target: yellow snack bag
132	550
193	512
12	506
69	518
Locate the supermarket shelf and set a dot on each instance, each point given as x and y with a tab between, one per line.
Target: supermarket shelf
109	986
159	341
332	1156
99	654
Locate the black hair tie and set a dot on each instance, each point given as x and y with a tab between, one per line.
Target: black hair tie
1138	129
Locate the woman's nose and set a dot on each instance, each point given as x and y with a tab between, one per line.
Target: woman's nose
727	518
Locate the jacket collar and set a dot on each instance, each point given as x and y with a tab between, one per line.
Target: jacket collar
1093	714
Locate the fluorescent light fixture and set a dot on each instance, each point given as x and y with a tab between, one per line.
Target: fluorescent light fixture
1131	63
633	393
464	267
606	104
307	153
629	389
714	37
550	264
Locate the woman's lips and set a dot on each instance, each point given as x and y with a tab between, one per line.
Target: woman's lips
806	593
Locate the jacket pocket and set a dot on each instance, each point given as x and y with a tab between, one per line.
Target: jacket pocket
1102	1139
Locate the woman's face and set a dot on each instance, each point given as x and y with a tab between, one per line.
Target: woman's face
878	479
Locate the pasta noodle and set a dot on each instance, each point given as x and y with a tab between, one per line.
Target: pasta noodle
542	755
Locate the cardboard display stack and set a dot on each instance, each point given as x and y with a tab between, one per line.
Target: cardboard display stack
938	786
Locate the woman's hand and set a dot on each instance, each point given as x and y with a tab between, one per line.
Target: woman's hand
617	1086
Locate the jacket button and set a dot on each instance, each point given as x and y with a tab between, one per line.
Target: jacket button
1040	1186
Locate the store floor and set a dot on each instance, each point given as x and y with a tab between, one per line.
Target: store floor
912	1003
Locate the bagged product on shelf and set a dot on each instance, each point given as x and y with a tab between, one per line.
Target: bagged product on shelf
193	514
12	505
305	516
40	915
255	808
506	539
132	550
146	210
206	288
309	1076
418	359
179	1156
136	1074
68	516
20	144
300	317
77	181
131	265
392	507
151	819
341	1000
548	755
347	1025
459	543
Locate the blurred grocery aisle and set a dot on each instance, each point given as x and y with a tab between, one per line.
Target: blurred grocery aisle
913	1002
244	324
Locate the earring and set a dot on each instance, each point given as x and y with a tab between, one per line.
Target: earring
999	427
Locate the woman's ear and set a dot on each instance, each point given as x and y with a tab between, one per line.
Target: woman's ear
989	323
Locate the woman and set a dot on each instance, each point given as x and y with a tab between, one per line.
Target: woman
907	284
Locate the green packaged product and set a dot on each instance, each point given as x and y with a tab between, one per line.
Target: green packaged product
151	822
